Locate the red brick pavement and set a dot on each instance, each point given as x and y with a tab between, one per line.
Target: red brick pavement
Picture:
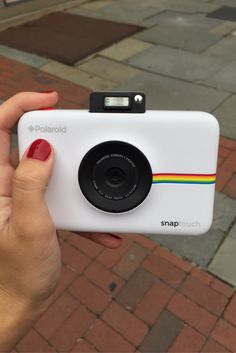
88	315
101	304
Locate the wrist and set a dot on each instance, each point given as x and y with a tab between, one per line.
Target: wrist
17	317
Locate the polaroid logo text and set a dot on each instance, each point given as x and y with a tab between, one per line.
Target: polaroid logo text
48	129
180	224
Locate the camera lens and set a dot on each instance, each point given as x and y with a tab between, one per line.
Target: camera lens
115	176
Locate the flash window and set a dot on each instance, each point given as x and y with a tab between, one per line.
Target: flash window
116	102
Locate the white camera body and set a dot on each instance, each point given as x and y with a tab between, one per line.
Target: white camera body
179	149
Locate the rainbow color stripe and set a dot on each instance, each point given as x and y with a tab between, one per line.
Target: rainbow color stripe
184	178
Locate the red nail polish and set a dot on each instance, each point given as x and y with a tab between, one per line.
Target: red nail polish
40	149
47	91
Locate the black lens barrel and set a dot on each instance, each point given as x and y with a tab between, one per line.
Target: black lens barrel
115	176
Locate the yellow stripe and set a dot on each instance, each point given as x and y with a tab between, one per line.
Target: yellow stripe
183	177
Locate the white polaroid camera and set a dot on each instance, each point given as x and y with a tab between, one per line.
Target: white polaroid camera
119	168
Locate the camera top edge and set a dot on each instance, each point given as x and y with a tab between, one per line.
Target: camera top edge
117	102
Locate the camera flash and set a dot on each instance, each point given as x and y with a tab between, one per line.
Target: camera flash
117	102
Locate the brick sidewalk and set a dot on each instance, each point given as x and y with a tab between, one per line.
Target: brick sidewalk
140	297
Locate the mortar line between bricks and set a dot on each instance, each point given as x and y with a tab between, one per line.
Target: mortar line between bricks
93	260
209	334
201	306
84	305
81	275
83	338
78	248
120	334
48	339
123	255
132	313
199	349
177	289
79	305
188	324
89	309
113	299
45	339
192	264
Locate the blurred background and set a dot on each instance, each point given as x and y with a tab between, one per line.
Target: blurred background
155	293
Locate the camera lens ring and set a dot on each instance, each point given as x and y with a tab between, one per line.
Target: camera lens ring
136	172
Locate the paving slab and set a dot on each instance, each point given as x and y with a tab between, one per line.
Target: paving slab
225	13
171	35
232	233
127	18
224	212
224	2
77	76
23	57
224	49
182	19
224	79
96	5
167	93
199	249
177	63
129	11
224	28
186	6
224	262
125	49
108	69
226	115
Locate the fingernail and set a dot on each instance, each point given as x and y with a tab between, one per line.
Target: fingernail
47	91
40	149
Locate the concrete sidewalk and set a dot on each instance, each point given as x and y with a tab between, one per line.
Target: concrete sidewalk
160	294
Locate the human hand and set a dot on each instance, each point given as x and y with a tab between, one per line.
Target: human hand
30	260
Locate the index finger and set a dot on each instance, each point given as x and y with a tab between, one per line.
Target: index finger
16	106
13	109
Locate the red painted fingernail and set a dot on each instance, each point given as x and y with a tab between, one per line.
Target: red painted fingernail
40	149
47	91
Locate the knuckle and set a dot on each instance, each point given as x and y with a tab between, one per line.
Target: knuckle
26	179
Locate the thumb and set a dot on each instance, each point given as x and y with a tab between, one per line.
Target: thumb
29	209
